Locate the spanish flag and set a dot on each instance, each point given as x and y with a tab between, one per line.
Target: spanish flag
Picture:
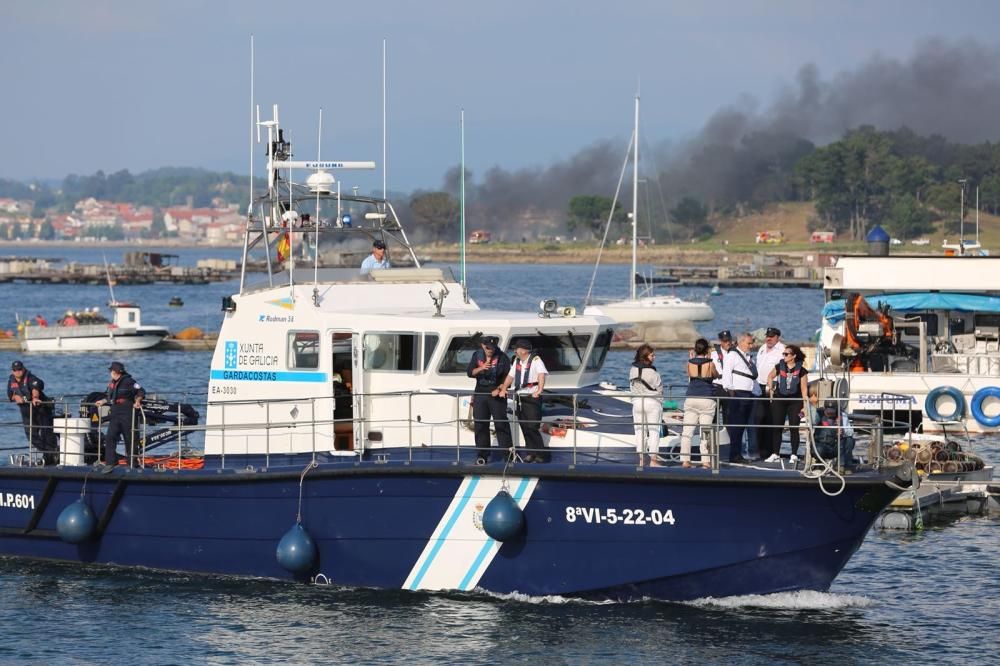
284	246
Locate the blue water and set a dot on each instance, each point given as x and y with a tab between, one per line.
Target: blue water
928	596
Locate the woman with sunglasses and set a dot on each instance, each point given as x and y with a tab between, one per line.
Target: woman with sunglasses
646	387
788	386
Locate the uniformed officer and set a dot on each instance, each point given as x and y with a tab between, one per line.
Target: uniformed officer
124	396
527	377
765	440
27	391
489	367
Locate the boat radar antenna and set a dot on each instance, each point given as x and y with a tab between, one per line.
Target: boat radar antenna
438	298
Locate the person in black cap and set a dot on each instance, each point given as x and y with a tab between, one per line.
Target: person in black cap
27	391
124	395
376	260
765	440
721	349
527	376
489	367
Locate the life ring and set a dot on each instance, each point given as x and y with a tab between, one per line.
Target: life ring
976	406
930	404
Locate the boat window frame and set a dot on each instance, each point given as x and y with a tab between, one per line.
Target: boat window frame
291	356
416	356
545	354
463	370
597	349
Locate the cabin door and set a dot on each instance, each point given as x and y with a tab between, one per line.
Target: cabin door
346	380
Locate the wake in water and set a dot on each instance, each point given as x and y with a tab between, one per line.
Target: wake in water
801	600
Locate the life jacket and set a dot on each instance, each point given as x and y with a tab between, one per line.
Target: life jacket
789	380
639	380
524	371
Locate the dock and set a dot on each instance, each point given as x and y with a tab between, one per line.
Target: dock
940	499
139	268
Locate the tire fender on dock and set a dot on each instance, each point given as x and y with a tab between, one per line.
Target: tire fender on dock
976	406
953	394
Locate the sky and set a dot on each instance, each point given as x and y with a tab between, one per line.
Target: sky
110	85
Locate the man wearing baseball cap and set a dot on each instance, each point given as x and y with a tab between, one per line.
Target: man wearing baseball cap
766	439
377	259
124	395
27	391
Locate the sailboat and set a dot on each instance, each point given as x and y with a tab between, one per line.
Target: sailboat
645	308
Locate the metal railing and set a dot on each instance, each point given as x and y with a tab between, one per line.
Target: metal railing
312	419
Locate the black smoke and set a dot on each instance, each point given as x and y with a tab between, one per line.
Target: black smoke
745	151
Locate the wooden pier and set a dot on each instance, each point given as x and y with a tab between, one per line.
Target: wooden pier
146	268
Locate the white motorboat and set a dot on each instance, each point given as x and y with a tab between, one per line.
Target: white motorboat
918	338
93	332
645	307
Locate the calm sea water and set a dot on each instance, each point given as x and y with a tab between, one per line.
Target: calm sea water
932	595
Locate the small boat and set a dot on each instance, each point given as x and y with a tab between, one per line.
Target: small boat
176	302
646	308
338	447
91	331
715	291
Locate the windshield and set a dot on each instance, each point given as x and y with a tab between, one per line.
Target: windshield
559	353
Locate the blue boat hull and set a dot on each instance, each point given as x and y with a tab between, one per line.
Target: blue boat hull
599	533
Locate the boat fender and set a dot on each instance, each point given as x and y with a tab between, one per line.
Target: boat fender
296	550
977	406
953	393
76	523
503	519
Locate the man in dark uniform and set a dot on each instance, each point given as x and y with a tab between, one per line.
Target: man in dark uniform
124	397
489	367
27	391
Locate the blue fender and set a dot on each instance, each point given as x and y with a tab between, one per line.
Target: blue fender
977	406
930	404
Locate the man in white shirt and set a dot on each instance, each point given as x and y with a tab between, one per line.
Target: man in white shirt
766	439
739	379
527	375
376	260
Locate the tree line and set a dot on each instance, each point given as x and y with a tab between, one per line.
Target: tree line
905	182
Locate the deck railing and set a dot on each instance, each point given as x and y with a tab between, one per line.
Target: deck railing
362	437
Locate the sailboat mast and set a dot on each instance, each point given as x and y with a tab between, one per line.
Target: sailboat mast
635	199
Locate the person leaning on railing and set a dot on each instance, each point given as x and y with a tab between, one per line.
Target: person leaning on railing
27	391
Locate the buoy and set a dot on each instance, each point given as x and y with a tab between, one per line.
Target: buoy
950	394
296	550
502	518
76	523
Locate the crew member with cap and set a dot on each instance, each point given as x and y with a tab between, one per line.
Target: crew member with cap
489	367
125	396
376	260
28	392
739	378
765	440
834	436
527	376
718	357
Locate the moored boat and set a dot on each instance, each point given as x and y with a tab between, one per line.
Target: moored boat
337	447
91	331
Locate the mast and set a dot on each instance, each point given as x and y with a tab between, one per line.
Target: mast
461	197
635	199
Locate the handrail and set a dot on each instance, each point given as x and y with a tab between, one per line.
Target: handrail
320	424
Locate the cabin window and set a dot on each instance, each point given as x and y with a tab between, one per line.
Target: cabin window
303	349
560	353
601	346
430	344
131	317
392	352
459	353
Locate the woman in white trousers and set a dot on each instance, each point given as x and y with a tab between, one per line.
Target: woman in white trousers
646	387
699	405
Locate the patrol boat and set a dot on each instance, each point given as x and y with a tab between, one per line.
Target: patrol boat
337	448
91	331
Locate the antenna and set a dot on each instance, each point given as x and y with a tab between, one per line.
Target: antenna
319	158
461	200
107	272
385	162
246	233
